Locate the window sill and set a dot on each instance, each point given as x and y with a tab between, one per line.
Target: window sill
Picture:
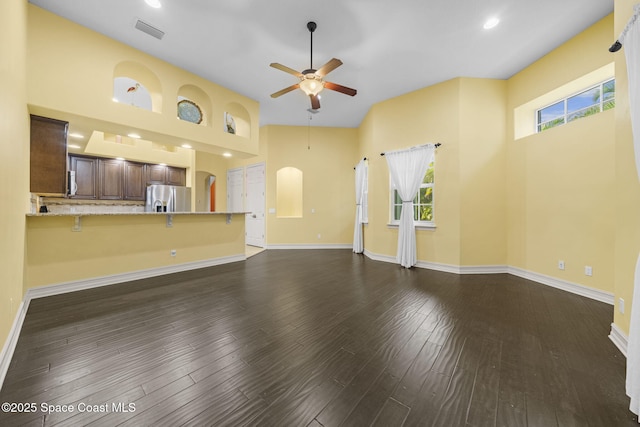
418	226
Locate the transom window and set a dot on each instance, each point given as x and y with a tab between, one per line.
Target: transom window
422	203
586	103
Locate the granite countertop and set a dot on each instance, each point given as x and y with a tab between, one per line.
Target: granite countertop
74	214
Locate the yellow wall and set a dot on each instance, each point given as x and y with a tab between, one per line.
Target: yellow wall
627	190
71	70
326	157
560	191
427	115
110	245
14	157
482	157
467	117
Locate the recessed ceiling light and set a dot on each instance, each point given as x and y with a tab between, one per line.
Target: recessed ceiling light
186	146
115	99
491	22
226	154
133	135
153	3
76	146
163	164
120	158
76	135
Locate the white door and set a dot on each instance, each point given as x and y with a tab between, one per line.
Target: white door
255	205
235	189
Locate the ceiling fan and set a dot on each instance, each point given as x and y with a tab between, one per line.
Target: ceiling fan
312	80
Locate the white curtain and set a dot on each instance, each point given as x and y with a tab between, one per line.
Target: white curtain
361	182
630	39
407	169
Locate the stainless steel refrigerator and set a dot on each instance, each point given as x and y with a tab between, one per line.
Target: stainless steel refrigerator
168	198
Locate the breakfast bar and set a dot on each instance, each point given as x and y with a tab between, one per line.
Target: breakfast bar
80	249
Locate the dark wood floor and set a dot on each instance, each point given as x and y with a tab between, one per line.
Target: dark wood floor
319	338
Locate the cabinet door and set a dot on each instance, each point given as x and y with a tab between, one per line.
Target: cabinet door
176	176
48	161
134	181
85	168
110	173
156	174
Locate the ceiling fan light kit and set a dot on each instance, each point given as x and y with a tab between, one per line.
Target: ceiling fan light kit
311	80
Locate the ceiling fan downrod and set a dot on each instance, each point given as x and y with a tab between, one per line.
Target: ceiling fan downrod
311	26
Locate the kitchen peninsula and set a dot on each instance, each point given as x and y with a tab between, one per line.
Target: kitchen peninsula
71	251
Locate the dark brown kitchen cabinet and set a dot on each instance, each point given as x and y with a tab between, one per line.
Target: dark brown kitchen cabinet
110	179
48	161
85	168
166	175
156	174
134	181
176	176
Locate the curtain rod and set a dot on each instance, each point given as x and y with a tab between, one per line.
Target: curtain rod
618	43
364	158
437	144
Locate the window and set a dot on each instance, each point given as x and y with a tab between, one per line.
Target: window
586	103
422	203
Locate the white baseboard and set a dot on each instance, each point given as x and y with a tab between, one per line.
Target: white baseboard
10	344
78	285
307	246
446	268
574	288
619	338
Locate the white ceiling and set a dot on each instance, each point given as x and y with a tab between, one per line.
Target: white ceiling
388	47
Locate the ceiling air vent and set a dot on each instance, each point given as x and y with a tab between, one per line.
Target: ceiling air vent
149	29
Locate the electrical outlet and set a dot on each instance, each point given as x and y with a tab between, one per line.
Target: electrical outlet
588	270
621	305
173	252
560	265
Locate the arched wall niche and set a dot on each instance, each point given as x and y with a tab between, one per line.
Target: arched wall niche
200	98
240	116
289	192
148	81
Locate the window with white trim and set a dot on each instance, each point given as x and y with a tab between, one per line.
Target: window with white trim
422	203
593	100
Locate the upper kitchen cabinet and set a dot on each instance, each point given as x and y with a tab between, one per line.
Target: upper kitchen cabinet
166	175
156	174
48	167
110	179
134	181
176	176
85	169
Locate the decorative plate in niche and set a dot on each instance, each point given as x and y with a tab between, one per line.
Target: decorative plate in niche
189	111
229	123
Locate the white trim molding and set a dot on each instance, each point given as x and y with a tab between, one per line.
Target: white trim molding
619	338
564	285
446	268
10	345
307	246
574	288
79	285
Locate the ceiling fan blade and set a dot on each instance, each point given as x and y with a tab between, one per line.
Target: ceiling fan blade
315	102
286	69
328	67
285	90
340	88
